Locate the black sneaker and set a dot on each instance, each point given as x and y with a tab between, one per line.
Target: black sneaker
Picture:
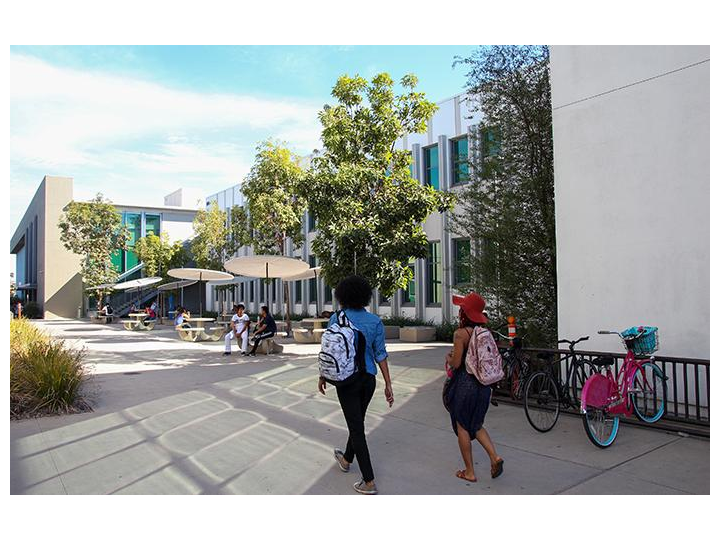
226	354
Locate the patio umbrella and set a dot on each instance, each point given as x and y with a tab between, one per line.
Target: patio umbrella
176	286
103	287
311	273
199	274
137	284
268	266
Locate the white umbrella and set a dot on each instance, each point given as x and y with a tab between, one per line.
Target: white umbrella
136	284
311	273
268	266
103	286
199	274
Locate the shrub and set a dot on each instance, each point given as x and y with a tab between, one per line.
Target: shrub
445	331
32	310
45	374
402	320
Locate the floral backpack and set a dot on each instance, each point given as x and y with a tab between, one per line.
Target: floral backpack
483	359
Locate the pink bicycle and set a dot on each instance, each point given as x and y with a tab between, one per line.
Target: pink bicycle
640	387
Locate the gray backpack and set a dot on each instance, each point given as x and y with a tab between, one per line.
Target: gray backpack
342	352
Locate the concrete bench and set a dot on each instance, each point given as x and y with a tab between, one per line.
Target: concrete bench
103	319
416	334
214	333
317	335
392	332
303	335
191	334
131	324
266	346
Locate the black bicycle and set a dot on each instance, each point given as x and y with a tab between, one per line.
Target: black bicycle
549	388
516	364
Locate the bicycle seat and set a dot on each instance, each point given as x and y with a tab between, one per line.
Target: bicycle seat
603	361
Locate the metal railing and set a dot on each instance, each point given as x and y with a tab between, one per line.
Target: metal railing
688	386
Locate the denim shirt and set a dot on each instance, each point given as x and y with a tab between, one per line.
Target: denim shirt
374	331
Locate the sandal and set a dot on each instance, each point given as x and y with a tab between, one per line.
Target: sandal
497	468
339	457
461	475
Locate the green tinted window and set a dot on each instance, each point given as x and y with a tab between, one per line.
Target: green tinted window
461	260
117	260
408	294
460	166
152	225
134	224
434	277
432	169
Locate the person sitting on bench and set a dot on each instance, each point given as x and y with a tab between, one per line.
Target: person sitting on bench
180	321
265	330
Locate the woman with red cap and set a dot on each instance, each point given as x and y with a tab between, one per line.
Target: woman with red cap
467	398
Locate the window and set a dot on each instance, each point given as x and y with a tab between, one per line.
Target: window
408	294
313	281
328	294
251	286
432	170
461	260
241	298
434	282
134	224
460	166
298	291
152	224
311	224
490	140
384	300
261	284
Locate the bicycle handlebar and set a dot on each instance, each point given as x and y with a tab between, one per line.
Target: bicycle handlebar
573	343
629	338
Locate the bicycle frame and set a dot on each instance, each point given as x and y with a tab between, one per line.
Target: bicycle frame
619	403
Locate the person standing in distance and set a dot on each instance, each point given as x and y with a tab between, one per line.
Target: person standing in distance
353	293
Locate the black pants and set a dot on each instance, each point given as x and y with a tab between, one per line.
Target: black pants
257	339
354	400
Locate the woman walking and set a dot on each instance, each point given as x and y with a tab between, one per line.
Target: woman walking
468	399
353	293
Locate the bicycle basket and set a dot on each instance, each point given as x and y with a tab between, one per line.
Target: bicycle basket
645	345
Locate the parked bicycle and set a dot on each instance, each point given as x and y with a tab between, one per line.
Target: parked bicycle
516	364
640	387
546	390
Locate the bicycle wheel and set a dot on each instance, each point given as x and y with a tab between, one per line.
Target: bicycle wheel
580	374
541	401
648	394
601	428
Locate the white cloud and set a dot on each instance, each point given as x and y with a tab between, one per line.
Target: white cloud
136	140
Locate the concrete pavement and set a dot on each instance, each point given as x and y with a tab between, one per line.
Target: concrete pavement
177	417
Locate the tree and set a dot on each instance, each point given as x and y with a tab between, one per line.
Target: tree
368	208
508	207
158	254
274	201
94	230
218	235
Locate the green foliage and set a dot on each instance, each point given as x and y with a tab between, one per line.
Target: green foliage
159	254
94	231
32	310
218	236
402	320
508	207
45	374
274	204
445	331
368	208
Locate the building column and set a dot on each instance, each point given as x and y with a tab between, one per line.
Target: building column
445	244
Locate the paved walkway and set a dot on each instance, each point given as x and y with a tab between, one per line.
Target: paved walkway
177	417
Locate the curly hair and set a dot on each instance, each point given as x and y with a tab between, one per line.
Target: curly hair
353	292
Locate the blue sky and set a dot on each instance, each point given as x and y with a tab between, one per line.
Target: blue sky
136	123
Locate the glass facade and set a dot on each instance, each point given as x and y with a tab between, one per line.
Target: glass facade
124	260
408	294
490	138
461	260
313	281
459	154
434	274
432	169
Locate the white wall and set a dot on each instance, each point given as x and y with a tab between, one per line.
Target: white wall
632	186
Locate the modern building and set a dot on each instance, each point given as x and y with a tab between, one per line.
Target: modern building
440	159
632	192
48	274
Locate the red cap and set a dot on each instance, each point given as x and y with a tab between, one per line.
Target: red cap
473	305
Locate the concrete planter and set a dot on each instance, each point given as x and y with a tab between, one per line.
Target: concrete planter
392	332
416	334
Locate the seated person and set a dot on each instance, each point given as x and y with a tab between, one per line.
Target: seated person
266	329
180	316
106	310
151	311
